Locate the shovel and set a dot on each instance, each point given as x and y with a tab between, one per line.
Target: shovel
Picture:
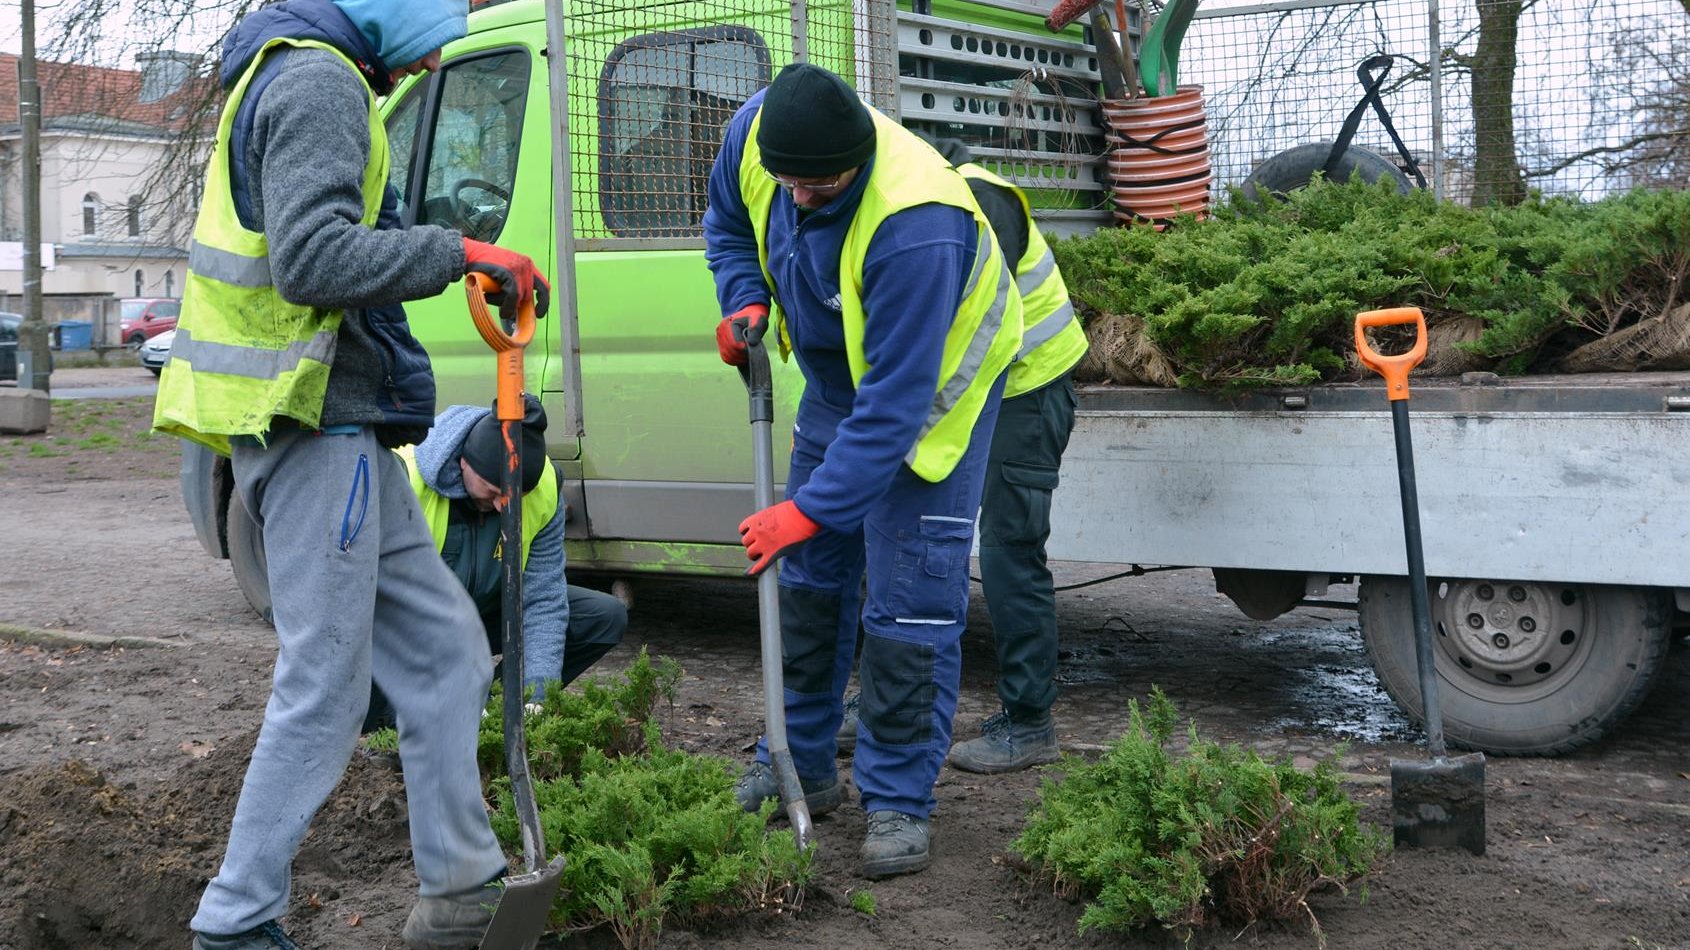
1438	803
526	903
760	385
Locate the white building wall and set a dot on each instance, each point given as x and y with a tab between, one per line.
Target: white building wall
74	164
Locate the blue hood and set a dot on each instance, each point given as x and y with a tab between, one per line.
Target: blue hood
302	20
437	455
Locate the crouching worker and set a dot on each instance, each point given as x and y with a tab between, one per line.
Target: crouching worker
455	473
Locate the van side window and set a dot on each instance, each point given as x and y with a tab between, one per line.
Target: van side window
403	126
664	104
473	144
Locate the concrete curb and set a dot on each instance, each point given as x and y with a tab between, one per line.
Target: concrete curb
11	633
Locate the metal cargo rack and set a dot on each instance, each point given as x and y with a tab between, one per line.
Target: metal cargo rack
1021	98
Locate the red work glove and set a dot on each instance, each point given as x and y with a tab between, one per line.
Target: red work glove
750	321
513	271
772	532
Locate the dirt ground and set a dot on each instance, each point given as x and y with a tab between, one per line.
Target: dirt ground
119	766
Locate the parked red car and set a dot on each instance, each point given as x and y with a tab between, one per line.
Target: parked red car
143	318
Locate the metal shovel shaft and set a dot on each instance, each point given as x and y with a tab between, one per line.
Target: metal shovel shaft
516	739
759	383
1423	654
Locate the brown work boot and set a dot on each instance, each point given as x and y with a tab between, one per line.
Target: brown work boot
455	922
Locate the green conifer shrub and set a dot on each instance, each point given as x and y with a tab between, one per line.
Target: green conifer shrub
651	835
1214	835
1266	293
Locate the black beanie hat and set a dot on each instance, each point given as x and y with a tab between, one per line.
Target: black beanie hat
813	125
484	447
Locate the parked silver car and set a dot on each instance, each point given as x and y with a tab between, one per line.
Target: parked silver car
156	351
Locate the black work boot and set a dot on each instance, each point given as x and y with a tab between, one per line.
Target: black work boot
1007	746
896	844
848	726
758	784
265	936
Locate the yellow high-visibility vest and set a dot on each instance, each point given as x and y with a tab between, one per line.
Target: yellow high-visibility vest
1053	340
538	506
986	331
242	354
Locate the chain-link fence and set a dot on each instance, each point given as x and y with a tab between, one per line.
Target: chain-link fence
1568	97
654	85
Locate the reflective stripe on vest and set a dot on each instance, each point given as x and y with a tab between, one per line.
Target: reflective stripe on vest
248	361
1053	340
243	355
538	506
983	334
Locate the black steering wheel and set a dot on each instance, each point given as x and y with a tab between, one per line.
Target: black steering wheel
479	222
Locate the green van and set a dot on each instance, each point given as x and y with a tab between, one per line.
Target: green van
647	426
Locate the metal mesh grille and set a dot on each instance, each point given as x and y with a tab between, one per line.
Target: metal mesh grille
1599	99
654	85
1021	98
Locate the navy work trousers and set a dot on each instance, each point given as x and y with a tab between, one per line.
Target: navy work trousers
1021	473
914	545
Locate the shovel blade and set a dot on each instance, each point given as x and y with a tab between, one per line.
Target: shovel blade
520	919
1439	802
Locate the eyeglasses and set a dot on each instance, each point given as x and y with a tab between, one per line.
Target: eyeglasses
819	187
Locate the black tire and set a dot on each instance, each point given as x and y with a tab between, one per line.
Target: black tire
156	370
1599	653
135	341
1295	168
246	556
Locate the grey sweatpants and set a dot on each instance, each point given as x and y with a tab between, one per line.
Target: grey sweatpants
358	591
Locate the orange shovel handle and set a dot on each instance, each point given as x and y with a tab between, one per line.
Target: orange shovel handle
1396	368
507	346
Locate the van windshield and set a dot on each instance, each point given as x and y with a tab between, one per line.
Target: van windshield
132	309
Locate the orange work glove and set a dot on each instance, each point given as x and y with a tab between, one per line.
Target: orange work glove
746	323
514	272
772	532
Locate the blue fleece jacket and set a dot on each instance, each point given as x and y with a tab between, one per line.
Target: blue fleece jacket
545	594
913	280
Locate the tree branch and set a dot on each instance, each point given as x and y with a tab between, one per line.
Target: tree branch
1572	160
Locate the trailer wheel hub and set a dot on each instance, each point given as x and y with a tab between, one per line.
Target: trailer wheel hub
1509	633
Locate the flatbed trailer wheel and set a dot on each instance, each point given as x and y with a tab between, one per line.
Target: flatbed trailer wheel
246	556
1527	668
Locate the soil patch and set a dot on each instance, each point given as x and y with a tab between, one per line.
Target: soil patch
93	862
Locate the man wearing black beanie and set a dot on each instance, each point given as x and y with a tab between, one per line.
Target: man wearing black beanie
886	283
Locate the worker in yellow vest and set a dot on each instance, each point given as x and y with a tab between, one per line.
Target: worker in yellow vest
455	474
1021	475
866	256
292	356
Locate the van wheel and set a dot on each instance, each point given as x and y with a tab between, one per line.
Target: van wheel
1524	668
1295	168
246	556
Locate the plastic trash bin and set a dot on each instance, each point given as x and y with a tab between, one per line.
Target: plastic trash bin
76	335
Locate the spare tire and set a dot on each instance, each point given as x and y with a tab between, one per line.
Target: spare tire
246	556
1295	168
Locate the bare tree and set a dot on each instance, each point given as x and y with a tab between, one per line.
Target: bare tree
1496	169
176	44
